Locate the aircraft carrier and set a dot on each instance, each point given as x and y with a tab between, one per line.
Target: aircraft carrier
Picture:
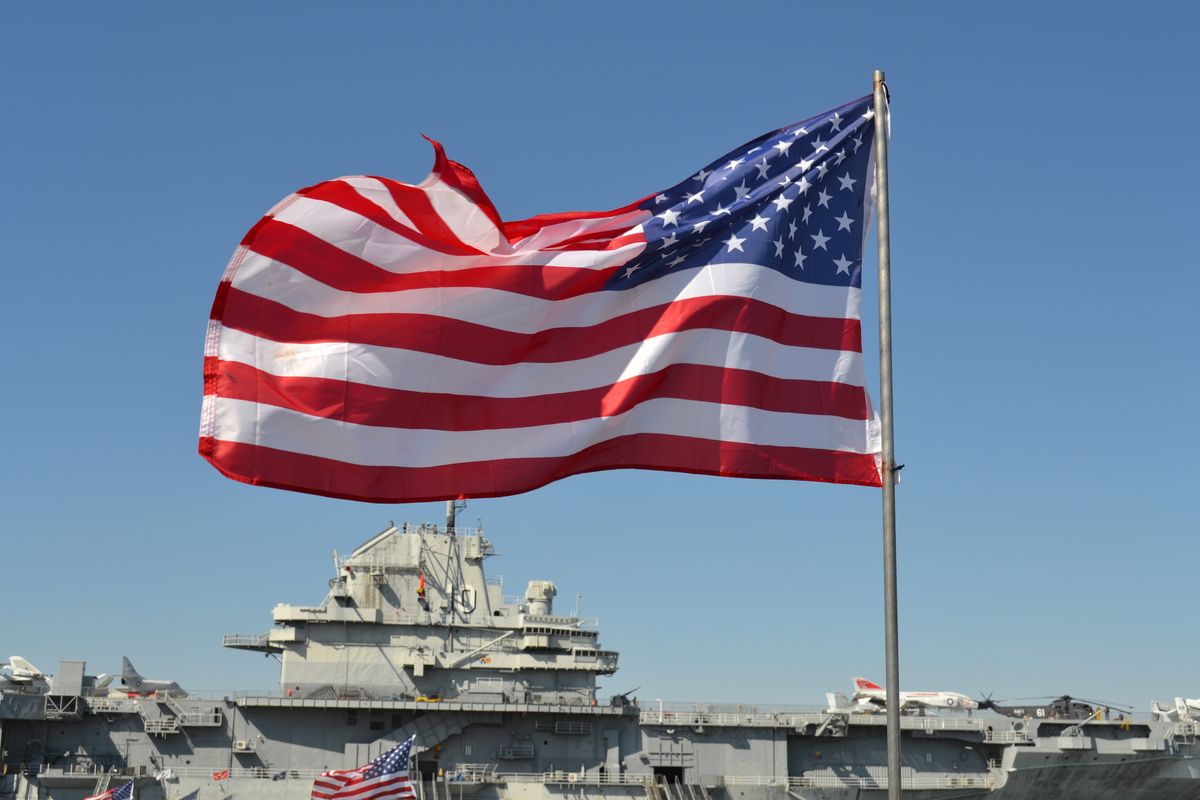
412	638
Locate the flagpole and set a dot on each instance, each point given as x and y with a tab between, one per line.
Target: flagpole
891	625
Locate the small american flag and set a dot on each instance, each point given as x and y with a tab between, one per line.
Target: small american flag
385	778
391	342
122	792
193	795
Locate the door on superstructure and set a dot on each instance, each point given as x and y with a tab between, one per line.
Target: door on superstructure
668	774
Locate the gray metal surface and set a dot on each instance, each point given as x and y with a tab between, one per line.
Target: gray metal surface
501	695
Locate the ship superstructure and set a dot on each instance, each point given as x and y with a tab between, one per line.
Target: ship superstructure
410	614
413	639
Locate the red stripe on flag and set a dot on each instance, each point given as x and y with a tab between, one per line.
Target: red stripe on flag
435	236
599	240
480	344
264	466
359	789
340	270
521	229
379	406
462	178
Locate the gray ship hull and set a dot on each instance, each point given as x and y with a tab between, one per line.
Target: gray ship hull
413	641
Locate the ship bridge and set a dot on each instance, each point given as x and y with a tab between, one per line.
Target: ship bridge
411	614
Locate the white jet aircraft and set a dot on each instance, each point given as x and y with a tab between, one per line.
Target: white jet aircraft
21	671
869	696
135	684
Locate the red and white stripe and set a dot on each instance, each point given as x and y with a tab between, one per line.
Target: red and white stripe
350	785
386	342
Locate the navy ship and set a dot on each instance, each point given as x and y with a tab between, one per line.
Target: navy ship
413	639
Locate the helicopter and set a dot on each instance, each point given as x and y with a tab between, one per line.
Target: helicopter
1061	707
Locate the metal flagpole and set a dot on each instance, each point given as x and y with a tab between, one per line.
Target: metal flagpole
891	626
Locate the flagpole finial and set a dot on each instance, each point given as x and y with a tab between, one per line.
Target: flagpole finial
878	77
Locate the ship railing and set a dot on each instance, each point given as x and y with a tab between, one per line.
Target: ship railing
558	619
245	640
472	773
255	773
776	719
735	708
1006	736
111	705
595	778
967	780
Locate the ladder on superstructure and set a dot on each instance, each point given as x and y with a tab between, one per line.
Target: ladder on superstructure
102	784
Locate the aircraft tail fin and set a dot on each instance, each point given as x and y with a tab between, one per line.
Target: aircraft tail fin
129	675
862	684
19	664
836	702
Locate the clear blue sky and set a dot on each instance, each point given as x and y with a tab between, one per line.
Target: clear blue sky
1045	275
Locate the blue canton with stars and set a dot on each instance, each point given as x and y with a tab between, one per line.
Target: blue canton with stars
394	760
792	200
123	792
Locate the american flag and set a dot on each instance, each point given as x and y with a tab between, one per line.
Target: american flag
192	795
122	792
385	778
389	342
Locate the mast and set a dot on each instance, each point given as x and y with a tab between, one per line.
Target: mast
888	467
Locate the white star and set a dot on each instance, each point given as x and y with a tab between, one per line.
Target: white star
804	185
818	145
782	202
785	181
870	114
847	181
835	122
839	157
844	222
799	132
792	231
670	241
759	223
699	226
822	168
857	142
698	197
740	190
676	261
843	265
733	164
819	240
807	214
734	243
782	147
805	165
719	210
762	168
669	217
823	199
701	175
778	246
659	199
800	258
629	271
